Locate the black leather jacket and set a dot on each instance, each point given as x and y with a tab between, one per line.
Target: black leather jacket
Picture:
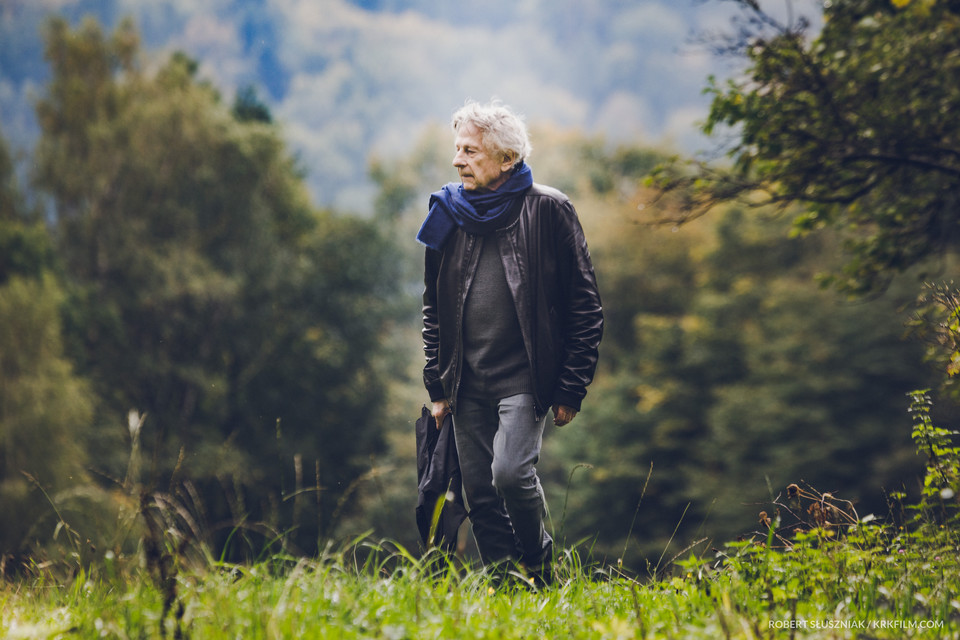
551	278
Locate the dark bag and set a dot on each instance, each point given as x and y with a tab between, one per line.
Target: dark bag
439	483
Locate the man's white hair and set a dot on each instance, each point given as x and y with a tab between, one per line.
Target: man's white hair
502	131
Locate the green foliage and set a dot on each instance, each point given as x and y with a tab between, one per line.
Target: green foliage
45	407
855	125
205	292
941	484
25	246
248	107
936	322
25	249
45	410
728	369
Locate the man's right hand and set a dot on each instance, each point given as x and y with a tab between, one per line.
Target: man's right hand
440	409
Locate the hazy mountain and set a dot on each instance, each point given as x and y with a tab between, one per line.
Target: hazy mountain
350	78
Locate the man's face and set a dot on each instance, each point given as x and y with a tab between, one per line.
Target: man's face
479	170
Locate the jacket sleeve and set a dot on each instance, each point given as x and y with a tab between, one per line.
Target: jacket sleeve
583	316
431	327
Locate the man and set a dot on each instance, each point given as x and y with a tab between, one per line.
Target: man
512	323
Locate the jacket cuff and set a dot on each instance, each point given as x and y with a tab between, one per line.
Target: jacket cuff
436	392
567	400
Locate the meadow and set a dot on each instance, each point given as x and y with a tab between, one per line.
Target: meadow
812	569
905	588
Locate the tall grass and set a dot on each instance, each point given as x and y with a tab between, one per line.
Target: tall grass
812	568
862	581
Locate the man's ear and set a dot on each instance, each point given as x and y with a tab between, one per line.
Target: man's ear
509	161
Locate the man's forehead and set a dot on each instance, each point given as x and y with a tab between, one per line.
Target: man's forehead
469	135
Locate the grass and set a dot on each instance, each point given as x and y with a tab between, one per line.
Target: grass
868	583
813	569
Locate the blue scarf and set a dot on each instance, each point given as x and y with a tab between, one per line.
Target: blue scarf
476	212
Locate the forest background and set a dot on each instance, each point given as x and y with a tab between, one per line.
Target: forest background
209	287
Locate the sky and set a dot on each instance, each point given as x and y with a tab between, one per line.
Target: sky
348	79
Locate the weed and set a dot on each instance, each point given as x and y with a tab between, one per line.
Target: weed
941	483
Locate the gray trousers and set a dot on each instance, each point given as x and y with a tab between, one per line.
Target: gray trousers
498	443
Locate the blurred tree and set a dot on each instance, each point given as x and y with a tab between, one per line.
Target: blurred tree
45	412
25	246
247	107
726	369
820	395
646	406
45	409
732	373
205	290
856	124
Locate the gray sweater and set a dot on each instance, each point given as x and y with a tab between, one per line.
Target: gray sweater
494	359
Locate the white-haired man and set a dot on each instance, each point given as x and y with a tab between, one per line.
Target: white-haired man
512	323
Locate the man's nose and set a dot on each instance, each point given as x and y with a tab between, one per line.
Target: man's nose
458	159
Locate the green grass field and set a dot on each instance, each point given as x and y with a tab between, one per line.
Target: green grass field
872	583
814	568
